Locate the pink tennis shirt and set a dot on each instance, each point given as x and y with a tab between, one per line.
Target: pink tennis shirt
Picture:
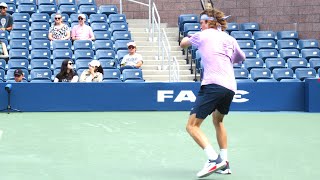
218	53
82	32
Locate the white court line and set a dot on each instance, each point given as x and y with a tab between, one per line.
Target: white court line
1	132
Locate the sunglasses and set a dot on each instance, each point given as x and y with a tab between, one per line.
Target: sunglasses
131	47
57	18
80	18
70	63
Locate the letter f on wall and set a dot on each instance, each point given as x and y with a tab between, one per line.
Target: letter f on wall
164	94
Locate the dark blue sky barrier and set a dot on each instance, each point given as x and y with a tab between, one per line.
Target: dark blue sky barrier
42	97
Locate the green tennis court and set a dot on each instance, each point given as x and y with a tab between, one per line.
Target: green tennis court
154	145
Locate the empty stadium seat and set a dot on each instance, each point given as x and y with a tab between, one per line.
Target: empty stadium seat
314	63
40	26
40	74
241	73
103	44
118	27
250	53
10	74
295	63
88	9
232	26
132	75
310	53
304	73
112	18
39	35
187	18
40	17
19	44
308	44
83	54
244	81
121	35
241	35
287	35
282	73
19	35
18	54
68	9
246	44
20	26
82	44
40	64
46	2
98	18
11	8
40	44
18	64
82	63
121	54
289	53
66	2
265	44
105	54
61	44
30	9
264	35
108	63
40	54
108	9
260	73
111	75
272	63
49	9
62	54
250	26
86	2
21	17
253	63
190	27
267	53
102	35
56	63
287	44
99	26
27	2
121	45
2	64
290	80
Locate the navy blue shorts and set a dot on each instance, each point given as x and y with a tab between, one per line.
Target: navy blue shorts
212	97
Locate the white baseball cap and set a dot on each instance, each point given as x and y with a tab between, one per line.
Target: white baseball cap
94	63
3	4
131	44
82	15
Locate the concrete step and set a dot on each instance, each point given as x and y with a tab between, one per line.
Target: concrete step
163	72
155	48
150	43
165	78
153	57
156	62
146	38
155	53
144	34
156	67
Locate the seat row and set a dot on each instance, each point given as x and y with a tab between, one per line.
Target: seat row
280	44
51	2
283	53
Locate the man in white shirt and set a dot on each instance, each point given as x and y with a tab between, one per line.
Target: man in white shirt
132	60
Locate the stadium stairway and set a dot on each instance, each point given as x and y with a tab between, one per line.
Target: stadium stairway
149	51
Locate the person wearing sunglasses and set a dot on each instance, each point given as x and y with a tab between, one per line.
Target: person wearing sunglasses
6	20
59	30
93	74
132	60
82	31
67	73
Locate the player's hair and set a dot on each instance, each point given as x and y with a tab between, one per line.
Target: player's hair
218	15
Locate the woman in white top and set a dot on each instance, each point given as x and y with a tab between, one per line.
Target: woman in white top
59	30
93	74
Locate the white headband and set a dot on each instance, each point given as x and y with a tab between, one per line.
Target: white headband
206	17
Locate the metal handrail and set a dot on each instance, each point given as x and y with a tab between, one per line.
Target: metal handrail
175	68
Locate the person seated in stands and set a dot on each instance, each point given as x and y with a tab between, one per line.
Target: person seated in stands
6	19
67	73
18	75
3	51
82	31
59	30
93	74
132	60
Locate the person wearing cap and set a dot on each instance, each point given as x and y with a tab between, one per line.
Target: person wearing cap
6	20
82	31
132	60
218	53
59	30
93	74
67	72
18	75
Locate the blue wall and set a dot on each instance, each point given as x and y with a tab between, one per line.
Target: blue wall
153	96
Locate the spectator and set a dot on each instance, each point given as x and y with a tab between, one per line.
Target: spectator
6	20
67	73
3	51
93	74
59	30
18	75
132	60
82	31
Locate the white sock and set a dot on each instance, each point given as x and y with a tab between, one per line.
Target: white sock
210	152
224	154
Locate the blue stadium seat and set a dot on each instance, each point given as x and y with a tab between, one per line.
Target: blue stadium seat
9	1
40	54
121	35
40	64
294	63
10	74
121	45
82	44
4	35
30	9
265	44
308	44
82	63
19	44
241	73
11	8
250	53
118	27
241	35
40	26
102	35
21	17
253	63
232	26
40	17
187	18
65	18
68	9
46	2
18	64
86	2
88	9
260	73
16	26
287	44
44	75
66	2
105	54
272	63
266	80
83	54
111	75
244	81
99	26
314	63
304	73
290	80
264	35
2	75
40	44
27	2
19	35
132	75
250	26
289	53
62	54
103	44
2	64
61	44
287	35
310	53
282	73
18	54
109	63
267	53
80	71
112	18
49	9
98	18
246	44
108	9
121	54
190	27
56	63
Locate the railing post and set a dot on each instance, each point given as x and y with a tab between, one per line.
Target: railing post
120	6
